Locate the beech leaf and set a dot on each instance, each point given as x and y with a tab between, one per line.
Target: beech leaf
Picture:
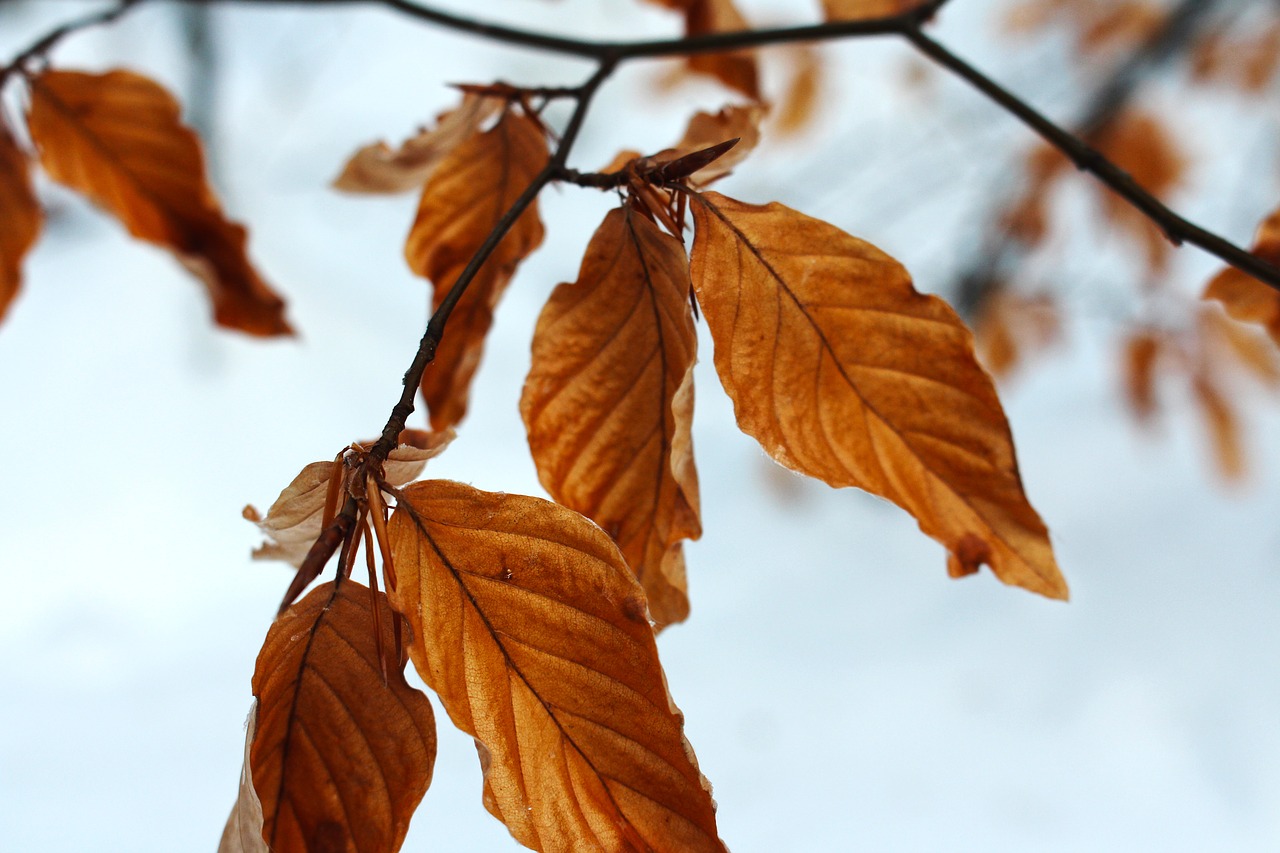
608	404
117	138
736	69
20	214
708	129
534	634
243	832
378	168
852	10
843	372
464	199
1245	298
340	760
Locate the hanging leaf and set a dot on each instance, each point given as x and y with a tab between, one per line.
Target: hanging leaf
469	192
117	138
842	371
1141	355
854	10
1245	298
243	832
1223	426
803	100
736	69
340	760
377	168
533	632
20	213
609	401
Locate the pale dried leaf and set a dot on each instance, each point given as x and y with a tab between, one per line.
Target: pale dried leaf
378	168
20	214
407	462
608	403
842	371
341	757
243	832
117	138
293	521
533	632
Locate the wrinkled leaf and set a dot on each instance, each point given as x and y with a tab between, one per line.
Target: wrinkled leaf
378	168
533	632
1245	298
460	205
340	759
609	401
20	214
243	832
842	371
117	138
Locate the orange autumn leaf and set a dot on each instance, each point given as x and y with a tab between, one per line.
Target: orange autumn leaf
1009	327
842	371
378	168
736	69
1245	298
117	138
340	760
852	10
20	213
1141	354
533	632
1239	345
466	196
708	129
609	401
801	103
1224	429
1138	142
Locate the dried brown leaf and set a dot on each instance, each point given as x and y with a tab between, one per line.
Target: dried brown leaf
736	69
340	760
1245	298
609	401
1141	354
842	371
378	168
117	138
853	10
1224	428
469	192
243	832
293	521
802	102
20	214
1010	327
528	624
407	462
708	129
1241	345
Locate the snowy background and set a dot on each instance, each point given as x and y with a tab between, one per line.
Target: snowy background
841	693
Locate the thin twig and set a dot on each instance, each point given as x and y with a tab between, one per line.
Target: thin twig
40	48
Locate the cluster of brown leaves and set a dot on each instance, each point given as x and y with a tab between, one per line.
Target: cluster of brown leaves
534	622
117	139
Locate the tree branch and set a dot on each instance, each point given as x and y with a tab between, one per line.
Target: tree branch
39	49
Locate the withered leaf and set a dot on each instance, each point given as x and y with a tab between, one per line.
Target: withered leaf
802	102
20	214
243	832
842	371
736	69
528	624
117	138
378	168
466	196
608	404
1223	426
1245	298
1141	355
340	759
1009	327
708	129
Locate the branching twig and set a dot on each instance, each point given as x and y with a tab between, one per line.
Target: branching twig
50	41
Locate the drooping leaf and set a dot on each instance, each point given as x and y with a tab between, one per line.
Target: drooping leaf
468	193
609	401
243	832
20	216
1141	355
1239	345
736	69
378	168
340	760
1245	298
803	99
1223	426
533	632
842	371
117	138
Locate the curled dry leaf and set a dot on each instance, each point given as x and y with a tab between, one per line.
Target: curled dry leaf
609	401
340	760
20	214
533	632
243	832
466	196
117	138
293	521
378	168
1245	298
842	371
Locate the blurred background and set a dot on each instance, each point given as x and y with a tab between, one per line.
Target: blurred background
840	691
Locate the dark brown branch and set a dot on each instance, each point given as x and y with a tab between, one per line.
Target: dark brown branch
42	47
